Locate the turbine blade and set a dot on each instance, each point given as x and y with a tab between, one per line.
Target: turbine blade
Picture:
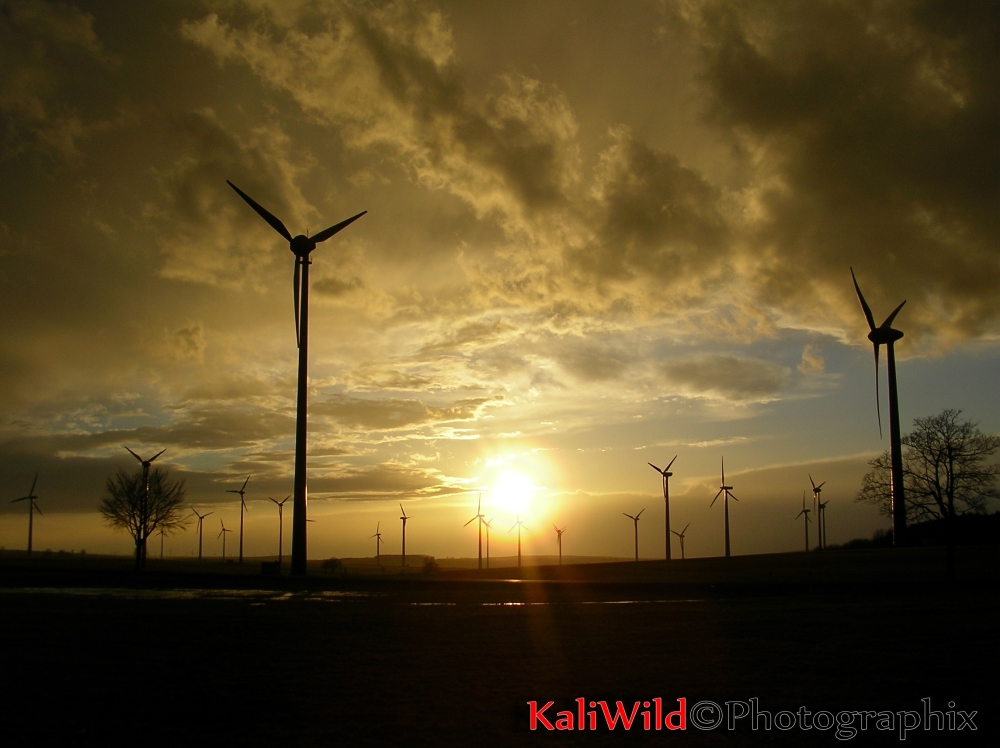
820	485
801	513
32	491
733	497
23	498
655	468
891	317
245	483
864	304
325	234
685	529
164	450
37	508
470	521
296	283
723	471
669	464
275	223
133	454
812	482
716	497
640	512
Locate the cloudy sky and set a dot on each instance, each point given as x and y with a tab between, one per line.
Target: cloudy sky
598	235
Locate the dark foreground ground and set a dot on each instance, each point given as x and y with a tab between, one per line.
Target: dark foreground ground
419	662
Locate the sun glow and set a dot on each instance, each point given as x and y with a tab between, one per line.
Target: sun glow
512	492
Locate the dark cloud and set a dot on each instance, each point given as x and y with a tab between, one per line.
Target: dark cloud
384	481
394	413
728	377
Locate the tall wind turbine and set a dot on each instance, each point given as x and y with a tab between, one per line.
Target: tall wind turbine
885	335
519	524
635	520
281	522
222	534
665	473
729	495
680	535
243	508
140	551
301	246
404	518
559	540
32	508
378	541
489	526
201	520
479	516
821	527
818	508
805	513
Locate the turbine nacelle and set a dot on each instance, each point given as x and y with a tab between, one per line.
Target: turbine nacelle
301	246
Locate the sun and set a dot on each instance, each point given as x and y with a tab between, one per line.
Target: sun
512	492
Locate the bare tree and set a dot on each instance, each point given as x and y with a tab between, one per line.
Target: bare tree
125	506
945	470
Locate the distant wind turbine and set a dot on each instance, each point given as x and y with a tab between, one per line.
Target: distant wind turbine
680	535
665	473
404	518
729	495
519	524
818	508
281	523
479	516
222	534
489	526
635	520
885	335
201	519
559	540
161	534
301	246
378	541
32	508
243	508
805	513
140	551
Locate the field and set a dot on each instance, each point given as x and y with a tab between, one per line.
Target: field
95	657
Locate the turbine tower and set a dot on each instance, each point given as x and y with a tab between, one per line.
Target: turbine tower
243	508
821	528
559	540
32	508
479	516
729	495
378	541
301	246
222	534
818	508
665	473
281	523
140	545
805	513
885	335
519	524
635	520
404	518
201	519
489	526
681	536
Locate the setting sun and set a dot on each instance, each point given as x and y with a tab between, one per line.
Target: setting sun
512	492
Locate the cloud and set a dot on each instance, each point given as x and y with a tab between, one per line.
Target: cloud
395	413
727	377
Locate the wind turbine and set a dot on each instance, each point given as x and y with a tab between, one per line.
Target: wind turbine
805	513
222	534
32	508
818	507
243	507
821	528
665	473
681	536
559	540
635	520
378	541
140	551
885	335
281	522
201	519
519	524
161	534
729	495
301	246
404	518
479	516
489	526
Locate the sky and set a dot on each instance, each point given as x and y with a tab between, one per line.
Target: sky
598	235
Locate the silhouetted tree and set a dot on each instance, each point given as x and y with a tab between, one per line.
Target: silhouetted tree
944	470
125	507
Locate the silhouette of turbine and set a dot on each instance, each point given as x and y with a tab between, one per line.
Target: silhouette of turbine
805	513
681	536
479	516
489	526
635	520
161	533
222	534
665	473
821	527
201	519
32	508
817	507
243	508
378	541
404	518
281	522
729	495
885	335
519	524
140	560
559	540
301	246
